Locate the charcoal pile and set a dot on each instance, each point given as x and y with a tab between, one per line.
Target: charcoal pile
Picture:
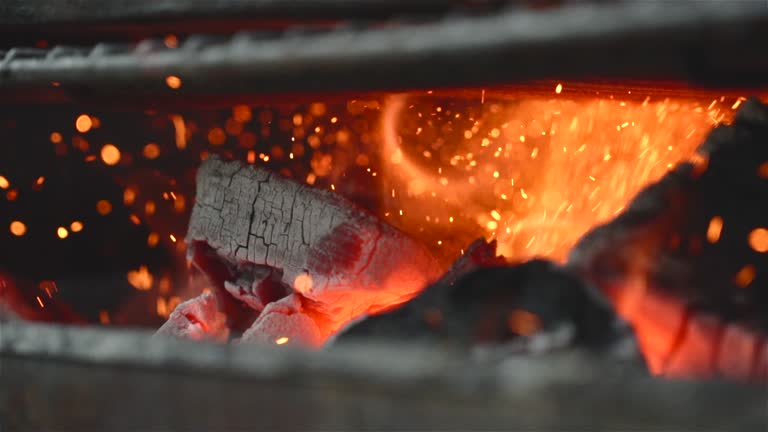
678	273
530	307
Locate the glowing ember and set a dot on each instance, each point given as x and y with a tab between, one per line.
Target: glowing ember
171	41
110	154
62	232
18	228
4	183
303	283
758	240
714	230
745	276
523	322
153	239
103	207
83	123
141	279
173	81
76	226
151	151
281	341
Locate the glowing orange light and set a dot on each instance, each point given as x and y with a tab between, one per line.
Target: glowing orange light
18	228
173	81
585	171
141	279
40	180
149	208
758	240
83	123
4	183
162	307
180	128
153	239
56	137
179	204
173	238
714	229
523	322
104	317
62	232
171	41
40	301
745	276
762	171
129	196
303	283
151	151
110	154
559	88
242	113
281	340
104	207
216	136
76	226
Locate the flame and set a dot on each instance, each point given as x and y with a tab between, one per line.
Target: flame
534	173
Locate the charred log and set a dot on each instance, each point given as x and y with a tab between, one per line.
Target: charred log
286	260
686	261
530	307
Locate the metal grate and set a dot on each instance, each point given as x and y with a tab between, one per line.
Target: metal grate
713	43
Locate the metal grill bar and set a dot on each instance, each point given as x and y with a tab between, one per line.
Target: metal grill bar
44	12
713	43
98	379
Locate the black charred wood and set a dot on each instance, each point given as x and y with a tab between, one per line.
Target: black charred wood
663	233
532	306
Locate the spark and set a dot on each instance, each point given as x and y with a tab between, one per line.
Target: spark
110	154
745	276
758	240
18	228
83	123
714	229
559	88
281	340
173	81
62	232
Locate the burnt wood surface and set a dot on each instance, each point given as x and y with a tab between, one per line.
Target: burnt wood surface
534	306
304	260
80	379
683	259
712	43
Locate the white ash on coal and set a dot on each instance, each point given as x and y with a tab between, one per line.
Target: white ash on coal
291	262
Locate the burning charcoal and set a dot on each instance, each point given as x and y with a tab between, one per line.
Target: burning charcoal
533	306
686	262
294	262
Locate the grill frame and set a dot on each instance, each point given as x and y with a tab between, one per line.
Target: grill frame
95	379
714	44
